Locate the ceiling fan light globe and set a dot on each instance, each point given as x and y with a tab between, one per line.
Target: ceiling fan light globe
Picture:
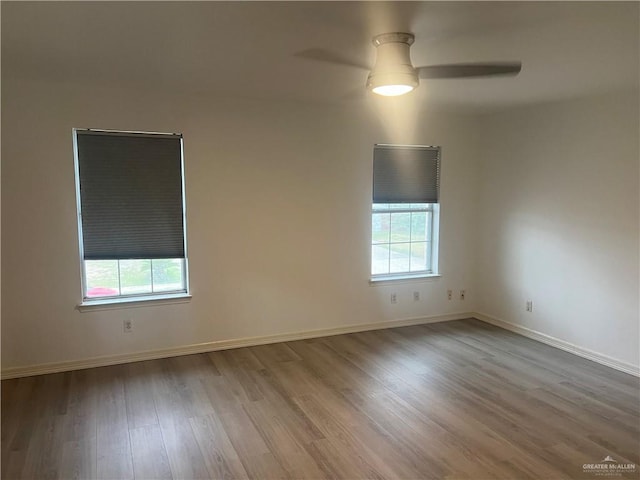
393	74
392	90
393	83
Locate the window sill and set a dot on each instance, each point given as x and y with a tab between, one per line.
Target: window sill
386	279
133	302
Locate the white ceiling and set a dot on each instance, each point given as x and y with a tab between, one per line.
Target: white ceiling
248	48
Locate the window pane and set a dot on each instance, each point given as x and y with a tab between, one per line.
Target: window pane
401	241
102	278
167	274
400	227
419	256
418	226
135	276
399	258
380	228
379	259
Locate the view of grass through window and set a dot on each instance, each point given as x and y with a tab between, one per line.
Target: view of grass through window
110	278
401	238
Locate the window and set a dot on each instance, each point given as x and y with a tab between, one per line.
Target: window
401	238
130	193
405	214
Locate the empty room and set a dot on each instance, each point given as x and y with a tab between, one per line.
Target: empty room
320	240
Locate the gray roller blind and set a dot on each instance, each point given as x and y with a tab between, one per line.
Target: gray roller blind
130	195
406	174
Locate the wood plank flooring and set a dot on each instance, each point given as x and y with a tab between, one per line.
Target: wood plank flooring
453	400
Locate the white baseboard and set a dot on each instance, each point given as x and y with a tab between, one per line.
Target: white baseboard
561	344
41	369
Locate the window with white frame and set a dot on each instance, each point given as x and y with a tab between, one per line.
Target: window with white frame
405	213
131	214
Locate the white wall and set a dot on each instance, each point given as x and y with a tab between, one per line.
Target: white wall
560	221
278	216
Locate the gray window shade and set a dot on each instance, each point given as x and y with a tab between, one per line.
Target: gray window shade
406	174
130	195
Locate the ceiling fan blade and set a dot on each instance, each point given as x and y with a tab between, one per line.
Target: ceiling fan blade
321	55
355	94
467	70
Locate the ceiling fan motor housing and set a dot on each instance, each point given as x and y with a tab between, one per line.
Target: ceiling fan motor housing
393	61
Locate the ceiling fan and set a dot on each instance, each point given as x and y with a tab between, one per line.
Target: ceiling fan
393	73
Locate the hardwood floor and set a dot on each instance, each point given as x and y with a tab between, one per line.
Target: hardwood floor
462	400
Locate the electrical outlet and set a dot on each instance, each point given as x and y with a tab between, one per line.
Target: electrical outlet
449	294
462	294
416	296
128	325
529	306
394	298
